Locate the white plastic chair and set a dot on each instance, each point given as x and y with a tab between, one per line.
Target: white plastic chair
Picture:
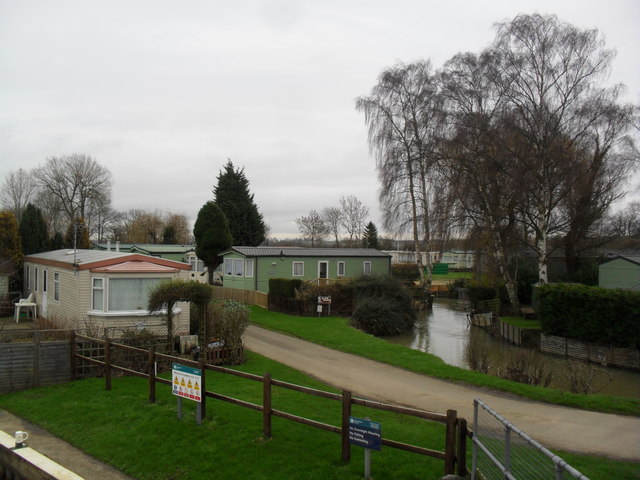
27	303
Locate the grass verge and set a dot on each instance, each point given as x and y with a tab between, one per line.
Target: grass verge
335	332
147	441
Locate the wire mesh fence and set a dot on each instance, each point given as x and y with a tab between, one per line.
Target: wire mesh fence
502	451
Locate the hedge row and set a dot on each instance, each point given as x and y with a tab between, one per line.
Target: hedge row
285	287
591	314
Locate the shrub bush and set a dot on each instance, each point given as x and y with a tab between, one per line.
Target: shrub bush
405	272
591	314
284	287
227	322
341	298
382	306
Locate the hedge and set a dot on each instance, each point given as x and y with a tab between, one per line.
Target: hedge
285	287
591	314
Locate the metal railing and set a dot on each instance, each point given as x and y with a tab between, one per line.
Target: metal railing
503	451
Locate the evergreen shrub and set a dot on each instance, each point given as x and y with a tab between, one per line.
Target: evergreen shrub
405	272
591	314
285	287
382	306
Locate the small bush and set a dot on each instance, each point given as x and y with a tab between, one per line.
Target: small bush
227	322
407	273
284	287
382	306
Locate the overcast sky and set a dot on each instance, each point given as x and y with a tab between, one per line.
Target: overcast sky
163	92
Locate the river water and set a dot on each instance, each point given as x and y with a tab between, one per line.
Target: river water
445	332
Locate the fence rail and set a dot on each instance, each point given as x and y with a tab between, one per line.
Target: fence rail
454	454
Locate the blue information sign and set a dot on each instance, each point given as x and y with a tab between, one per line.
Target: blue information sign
365	433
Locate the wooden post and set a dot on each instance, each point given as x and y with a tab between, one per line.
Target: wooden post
72	354
151	371
203	387
462	448
107	364
36	358
450	442
266	406
346	413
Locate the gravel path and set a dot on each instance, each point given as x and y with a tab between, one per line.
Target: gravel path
614	436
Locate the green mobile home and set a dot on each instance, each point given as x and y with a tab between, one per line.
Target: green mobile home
250	268
620	272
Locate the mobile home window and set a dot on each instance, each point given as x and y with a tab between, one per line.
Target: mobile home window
35	279
248	267
298	269
56	286
127	294
366	270
237	267
97	294
341	269
228	266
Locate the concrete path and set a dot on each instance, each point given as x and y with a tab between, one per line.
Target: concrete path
614	436
60	451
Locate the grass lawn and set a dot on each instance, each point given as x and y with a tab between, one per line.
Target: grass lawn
522	323
147	441
335	332
452	276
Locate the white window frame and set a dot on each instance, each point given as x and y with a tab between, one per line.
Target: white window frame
101	288
238	267
35	279
293	269
248	267
366	268
56	286
228	266
341	269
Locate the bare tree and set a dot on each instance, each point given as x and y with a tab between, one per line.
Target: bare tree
405	117
478	166
626	222
312	227
18	190
77	182
546	72
333	220
354	214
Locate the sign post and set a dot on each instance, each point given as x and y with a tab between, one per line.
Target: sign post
187	383
367	434
324	300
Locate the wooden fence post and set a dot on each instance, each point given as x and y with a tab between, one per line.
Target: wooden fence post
151	370
450	442
462	448
346	413
266	406
36	358
107	364
72	354
203	380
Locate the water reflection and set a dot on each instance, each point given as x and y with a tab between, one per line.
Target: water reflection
444	332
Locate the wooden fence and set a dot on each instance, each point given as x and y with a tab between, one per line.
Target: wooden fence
566	347
32	358
252	297
456	432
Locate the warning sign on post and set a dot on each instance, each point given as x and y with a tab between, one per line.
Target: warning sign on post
187	382
365	433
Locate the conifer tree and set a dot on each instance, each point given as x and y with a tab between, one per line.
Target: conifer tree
212	236
370	237
232	196
33	231
10	245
